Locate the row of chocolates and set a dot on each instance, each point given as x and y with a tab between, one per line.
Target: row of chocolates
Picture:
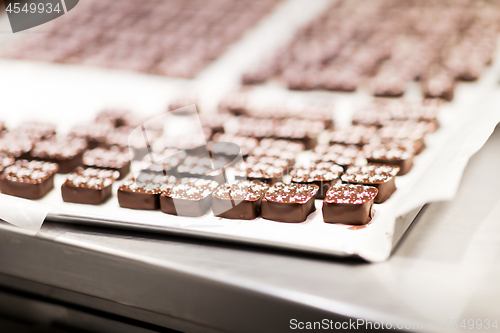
162	37
349	203
383	45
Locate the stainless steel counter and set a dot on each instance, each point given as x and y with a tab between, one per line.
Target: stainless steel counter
446	268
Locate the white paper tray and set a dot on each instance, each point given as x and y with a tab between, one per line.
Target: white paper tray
71	94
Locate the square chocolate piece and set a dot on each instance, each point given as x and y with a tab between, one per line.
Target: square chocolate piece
270	171
323	174
144	192
240	200
28	179
353	135
349	204
66	152
188	197
391	153
113	158
203	167
16	145
343	155
289	202
88	186
376	175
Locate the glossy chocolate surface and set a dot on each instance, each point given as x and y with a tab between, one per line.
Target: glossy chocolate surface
88	185
377	175
112	158
349	204
188	197
28	179
239	200
289	202
144	192
323	174
66	152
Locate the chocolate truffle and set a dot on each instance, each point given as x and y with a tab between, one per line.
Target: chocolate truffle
323	174
240	200
144	192
35	130
349	204
376	175
89	186
188	197
343	155
66	152
113	158
289	202
95	134
28	179
391	153
203	167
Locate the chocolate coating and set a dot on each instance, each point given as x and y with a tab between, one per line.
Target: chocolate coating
376	175
392	154
144	192
239	200
261	171
66	152
28	179
349	204
289	202
89	186
188	197
113	158
323	174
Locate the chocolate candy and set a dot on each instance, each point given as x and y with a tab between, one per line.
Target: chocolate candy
5	161
95	134
88	186
113	158
353	135
144	192
276	153
343	155
322	174
16	145
188	197
66	152
391	153
289	202
268	171
28	179
376	175
404	133
246	144
165	162
300	130
240	200
203	167
349	204
35	130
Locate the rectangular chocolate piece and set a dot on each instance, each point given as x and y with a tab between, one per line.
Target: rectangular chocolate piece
349	204
289	202
66	152
260	170
113	158
89	186
188	197
203	167
16	145
343	155
376	175
322	174
353	135
240	200
391	153
144	192
28	179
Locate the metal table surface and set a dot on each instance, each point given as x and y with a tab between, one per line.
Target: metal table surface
446	268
